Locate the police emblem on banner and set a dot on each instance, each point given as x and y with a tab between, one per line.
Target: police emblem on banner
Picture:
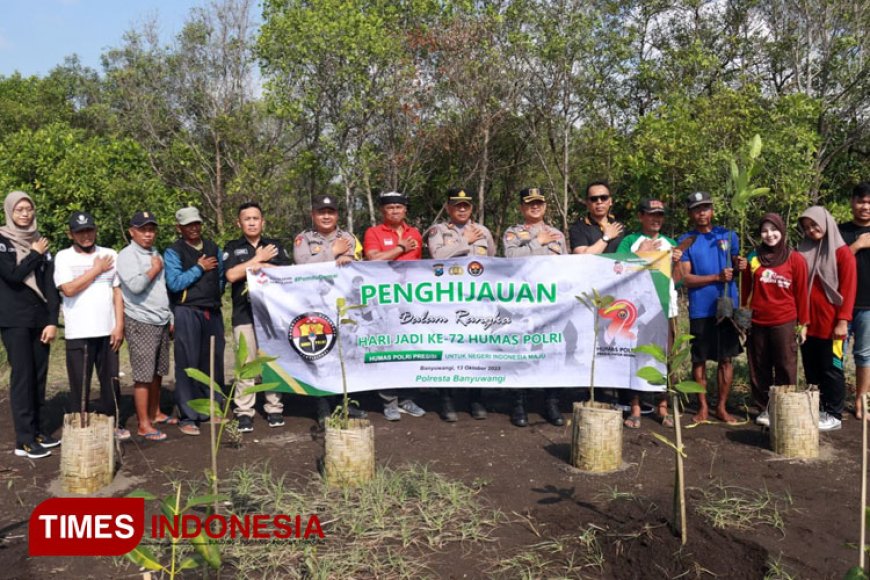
475	268
312	335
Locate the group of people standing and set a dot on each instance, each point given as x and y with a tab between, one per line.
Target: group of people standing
806	295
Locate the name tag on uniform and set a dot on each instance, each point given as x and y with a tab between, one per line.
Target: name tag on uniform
240	252
388	242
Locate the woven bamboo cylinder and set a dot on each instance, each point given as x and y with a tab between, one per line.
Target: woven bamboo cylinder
794	422
350	454
596	442
87	456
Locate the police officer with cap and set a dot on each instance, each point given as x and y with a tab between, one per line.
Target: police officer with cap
534	237
460	237
326	242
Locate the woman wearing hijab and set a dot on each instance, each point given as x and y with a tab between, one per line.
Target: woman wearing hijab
28	321
778	283
832	283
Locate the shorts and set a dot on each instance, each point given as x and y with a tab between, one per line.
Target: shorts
149	349
860	328
713	341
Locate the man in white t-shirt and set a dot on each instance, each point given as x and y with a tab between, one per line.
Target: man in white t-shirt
93	312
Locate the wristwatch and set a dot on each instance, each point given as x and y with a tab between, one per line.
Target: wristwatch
606	238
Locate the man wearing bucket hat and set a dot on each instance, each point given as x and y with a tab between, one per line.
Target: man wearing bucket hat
534	237
93	312
195	280
460	237
326	242
394	239
708	272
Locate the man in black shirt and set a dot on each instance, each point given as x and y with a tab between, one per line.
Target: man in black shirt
252	251
597	232
857	234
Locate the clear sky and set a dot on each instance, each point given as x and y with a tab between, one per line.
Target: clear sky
36	35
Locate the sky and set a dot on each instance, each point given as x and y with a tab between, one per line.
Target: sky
36	35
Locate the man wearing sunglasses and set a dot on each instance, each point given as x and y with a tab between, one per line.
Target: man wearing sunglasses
597	232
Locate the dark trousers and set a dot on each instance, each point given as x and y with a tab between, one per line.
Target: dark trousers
101	356
772	357
823	365
474	395
28	359
193	328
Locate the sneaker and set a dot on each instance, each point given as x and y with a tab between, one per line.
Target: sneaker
410	407
47	441
122	434
828	422
246	424
275	419
763	419
32	450
391	412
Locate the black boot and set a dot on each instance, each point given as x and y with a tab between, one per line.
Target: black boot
551	412
518	416
476	407
448	412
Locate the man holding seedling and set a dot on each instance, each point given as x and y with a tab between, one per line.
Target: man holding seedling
708	272
251	251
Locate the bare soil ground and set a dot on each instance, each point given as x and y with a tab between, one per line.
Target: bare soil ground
806	524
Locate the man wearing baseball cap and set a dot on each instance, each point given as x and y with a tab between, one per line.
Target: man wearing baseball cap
460	237
326	242
195	279
534	237
93	312
394	239
651	215
147	322
708	272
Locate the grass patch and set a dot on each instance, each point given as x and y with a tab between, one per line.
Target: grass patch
739	508
383	529
776	570
567	556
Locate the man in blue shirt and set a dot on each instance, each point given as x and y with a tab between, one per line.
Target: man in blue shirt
708	273
195	280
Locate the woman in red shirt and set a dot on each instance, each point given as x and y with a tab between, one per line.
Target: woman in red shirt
779	306
832	283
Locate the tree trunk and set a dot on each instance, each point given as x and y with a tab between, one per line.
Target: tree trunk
484	167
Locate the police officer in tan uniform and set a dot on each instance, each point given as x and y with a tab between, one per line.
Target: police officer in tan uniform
326	242
460	237
534	238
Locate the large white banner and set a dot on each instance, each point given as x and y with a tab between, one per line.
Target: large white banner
483	322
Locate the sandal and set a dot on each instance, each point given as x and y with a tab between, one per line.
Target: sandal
156	435
122	434
166	420
667	421
632	422
189	429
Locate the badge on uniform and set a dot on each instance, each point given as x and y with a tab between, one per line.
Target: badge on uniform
480	250
524	235
509	237
315	248
298	240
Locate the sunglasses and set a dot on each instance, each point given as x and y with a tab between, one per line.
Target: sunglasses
598	198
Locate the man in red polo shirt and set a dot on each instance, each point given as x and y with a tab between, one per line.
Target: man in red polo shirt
394	239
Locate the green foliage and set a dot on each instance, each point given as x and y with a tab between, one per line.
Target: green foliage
207	551
341	416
